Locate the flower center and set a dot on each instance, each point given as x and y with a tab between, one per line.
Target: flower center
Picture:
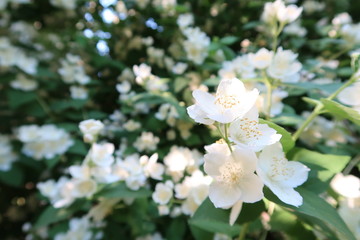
227	101
230	173
249	130
279	171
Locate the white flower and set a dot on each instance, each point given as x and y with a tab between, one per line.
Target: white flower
84	188
101	154
152	168
23	83
78	92
350	95
347	186
7	156
233	175
90	128
278	11
146	142
123	87
281	175
261	59
44	142
163	193
141	72
185	20
232	101
289	14
285	66
80	172
131	125
179	68
248	133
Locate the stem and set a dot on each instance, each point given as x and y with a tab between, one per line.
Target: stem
243	231
319	107
351	165
348	83
278	30
268	95
341	52
45	107
312	116
225	135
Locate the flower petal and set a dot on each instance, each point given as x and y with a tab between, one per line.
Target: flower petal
223	196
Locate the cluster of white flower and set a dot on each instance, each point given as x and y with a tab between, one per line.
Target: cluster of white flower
14	56
7	156
79	229
72	70
45	141
196	44
149	81
277	11
23	83
348	187
167	112
232	162
322	129
146	142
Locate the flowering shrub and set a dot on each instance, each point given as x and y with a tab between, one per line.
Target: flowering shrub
172	119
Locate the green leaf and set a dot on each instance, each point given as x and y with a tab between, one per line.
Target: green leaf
18	98
318	210
288	223
52	215
120	190
215	220
158	98
79	148
61	105
14	177
286	139
180	83
229	40
340	111
323	168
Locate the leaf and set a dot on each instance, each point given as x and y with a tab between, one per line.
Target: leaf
215	220
341	111
180	83
79	148
286	222
14	177
18	98
286	139
158	98
323	168
318	210
52	215
61	105
120	190
228	40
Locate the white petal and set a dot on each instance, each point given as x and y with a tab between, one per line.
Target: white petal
265	157
213	162
287	195
246	157
223	196
196	113
231	87
251	188
300	175
205	101
235	212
